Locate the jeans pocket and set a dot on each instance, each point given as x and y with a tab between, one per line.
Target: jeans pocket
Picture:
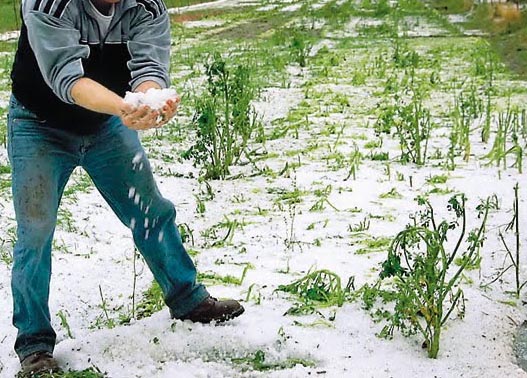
18	112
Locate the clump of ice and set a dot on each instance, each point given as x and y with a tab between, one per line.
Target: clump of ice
154	98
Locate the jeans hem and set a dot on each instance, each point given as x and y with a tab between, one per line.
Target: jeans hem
179	307
34	348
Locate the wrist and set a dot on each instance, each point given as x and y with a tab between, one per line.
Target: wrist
146	85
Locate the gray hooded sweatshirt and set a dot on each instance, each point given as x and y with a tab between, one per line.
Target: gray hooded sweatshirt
61	42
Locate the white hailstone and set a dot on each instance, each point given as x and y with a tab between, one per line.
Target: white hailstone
147	234
137	198
146	222
132	223
154	98
160	237
137	158
131	192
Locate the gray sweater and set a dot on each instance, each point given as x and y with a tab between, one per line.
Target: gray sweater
60	42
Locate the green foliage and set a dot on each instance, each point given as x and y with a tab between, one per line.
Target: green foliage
513	254
64	323
92	372
420	262
511	124
224	117
257	362
375	244
468	107
320	288
151	302
437	179
210	278
300	47
9	15
392	193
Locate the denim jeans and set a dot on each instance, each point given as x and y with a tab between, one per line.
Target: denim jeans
42	160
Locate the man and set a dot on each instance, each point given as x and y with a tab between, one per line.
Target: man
75	60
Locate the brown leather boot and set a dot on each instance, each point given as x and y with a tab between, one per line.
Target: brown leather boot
212	309
38	363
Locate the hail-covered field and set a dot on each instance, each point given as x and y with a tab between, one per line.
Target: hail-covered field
361	107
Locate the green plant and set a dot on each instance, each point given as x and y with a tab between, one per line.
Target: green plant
354	162
187	234
467	107
509	124
211	278
300	47
363	225
512	254
320	288
64	323
92	372
224	117
413	130
323	199
151	302
257	362
392	193
231	225
420	262
411	122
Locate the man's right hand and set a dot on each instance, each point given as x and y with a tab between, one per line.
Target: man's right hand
139	118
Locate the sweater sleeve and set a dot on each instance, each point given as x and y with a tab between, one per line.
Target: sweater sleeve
55	43
149	44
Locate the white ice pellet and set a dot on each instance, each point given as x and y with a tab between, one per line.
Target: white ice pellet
137	158
137	198
147	221
132	223
131	192
147	234
154	98
141	166
160	236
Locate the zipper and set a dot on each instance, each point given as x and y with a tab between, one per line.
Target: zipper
115	23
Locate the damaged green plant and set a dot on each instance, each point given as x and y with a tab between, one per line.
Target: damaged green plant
224	117
321	288
512	254
426	281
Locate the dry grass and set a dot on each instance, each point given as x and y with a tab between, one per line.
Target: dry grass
506	13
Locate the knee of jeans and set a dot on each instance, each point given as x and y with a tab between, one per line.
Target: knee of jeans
35	231
162	210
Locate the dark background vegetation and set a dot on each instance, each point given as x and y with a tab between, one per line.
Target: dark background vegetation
506	25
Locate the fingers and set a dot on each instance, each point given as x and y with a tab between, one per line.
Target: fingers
144	117
168	111
140	118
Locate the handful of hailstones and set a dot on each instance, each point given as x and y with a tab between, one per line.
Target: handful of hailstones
153	98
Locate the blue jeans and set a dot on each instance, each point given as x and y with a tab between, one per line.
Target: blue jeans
42	160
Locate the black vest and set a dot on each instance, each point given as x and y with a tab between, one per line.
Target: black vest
106	65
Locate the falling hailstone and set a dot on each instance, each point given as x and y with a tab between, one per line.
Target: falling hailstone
154	98
137	158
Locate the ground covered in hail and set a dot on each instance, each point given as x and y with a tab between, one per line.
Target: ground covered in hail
352	171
